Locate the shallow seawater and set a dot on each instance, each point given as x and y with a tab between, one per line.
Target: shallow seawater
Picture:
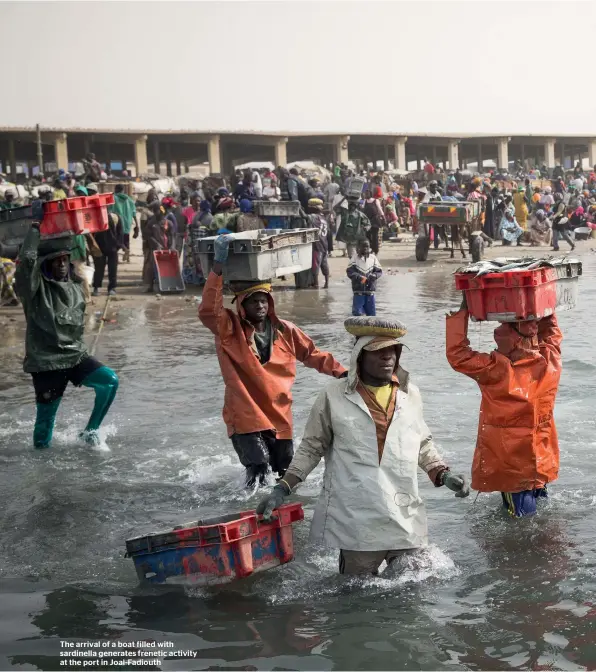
489	592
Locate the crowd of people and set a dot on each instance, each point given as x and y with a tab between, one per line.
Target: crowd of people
368	422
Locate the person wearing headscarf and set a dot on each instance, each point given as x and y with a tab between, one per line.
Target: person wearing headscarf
202	221
510	231
224	220
391	214
517	450
540	231
520	203
577	218
244	220
257	355
547	200
370	430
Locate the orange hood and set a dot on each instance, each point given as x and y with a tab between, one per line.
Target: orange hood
518	340
265	288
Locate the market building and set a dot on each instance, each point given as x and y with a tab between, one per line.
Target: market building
174	152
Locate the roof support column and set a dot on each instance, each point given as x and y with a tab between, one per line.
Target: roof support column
12	160
549	153
60	152
156	161
453	154
141	163
400	153
341	151
214	152
592	152
281	152
503	153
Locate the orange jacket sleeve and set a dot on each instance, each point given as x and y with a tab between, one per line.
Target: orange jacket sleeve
477	365
211	311
550	336
308	353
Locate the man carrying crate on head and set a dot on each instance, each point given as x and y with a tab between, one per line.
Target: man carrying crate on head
55	352
517	450
257	354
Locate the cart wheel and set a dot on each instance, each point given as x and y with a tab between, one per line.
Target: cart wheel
477	248
422	247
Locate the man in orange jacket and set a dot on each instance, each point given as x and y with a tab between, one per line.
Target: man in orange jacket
517	450
257	355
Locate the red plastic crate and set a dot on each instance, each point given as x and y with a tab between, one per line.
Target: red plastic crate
167	266
514	296
213	551
80	214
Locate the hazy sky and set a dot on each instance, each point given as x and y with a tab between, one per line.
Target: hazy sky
383	67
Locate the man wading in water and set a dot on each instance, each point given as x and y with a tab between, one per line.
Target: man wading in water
517	450
55	352
257	354
371	432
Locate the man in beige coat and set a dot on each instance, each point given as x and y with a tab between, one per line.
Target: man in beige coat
371	431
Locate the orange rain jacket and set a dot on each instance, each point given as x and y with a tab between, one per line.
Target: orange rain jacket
517	447
258	397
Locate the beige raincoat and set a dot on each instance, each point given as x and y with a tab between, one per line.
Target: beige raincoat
366	505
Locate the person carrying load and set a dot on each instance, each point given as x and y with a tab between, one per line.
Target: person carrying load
55	352
371	431
257	355
517	449
353	225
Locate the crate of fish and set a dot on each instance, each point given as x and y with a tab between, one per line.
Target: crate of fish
263	254
72	216
277	208
514	290
216	550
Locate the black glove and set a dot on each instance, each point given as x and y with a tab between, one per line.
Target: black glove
136	232
273	501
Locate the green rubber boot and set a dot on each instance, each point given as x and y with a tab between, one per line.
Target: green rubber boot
44	423
105	383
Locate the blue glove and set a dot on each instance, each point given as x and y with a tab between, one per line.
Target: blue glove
222	246
37	210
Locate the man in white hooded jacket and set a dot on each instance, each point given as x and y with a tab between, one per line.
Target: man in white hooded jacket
370	429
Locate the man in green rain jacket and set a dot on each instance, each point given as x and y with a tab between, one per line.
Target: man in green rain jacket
55	353
126	209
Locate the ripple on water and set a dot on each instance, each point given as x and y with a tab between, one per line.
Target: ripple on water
490	592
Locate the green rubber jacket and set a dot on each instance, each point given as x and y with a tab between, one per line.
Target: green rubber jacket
55	311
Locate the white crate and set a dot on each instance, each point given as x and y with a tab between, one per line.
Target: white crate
262	255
